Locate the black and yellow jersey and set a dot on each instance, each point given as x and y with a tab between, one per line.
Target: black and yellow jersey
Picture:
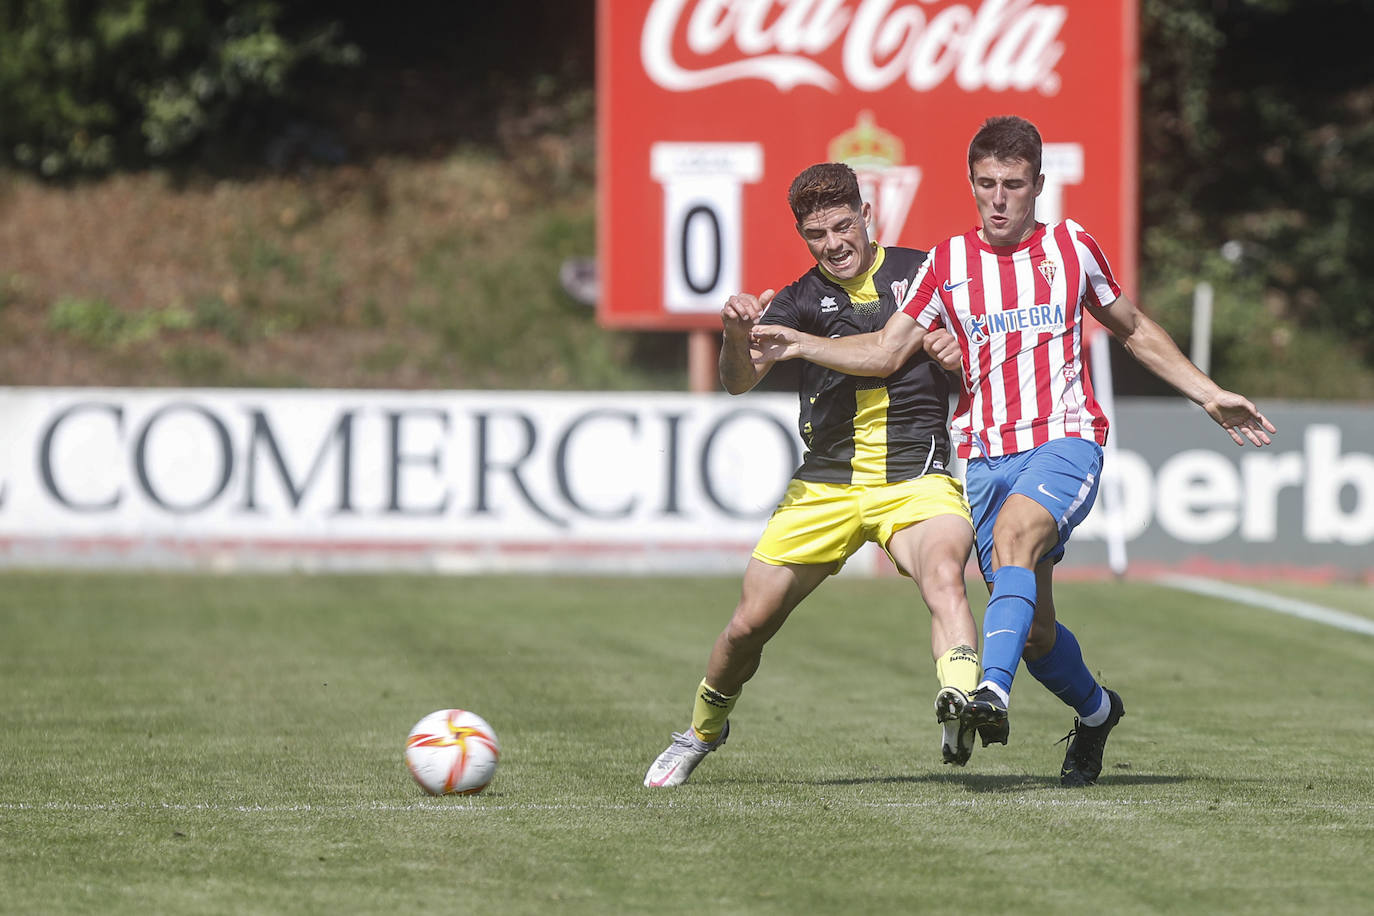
864	430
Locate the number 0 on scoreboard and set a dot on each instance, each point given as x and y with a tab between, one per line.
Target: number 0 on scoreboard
703	225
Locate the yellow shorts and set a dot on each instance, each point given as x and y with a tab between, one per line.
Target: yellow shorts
819	523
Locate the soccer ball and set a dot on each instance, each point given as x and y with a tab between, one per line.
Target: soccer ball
452	752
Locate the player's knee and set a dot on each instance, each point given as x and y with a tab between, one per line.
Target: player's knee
944	581
1015	546
744	630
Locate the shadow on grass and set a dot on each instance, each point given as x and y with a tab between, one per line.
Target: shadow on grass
984	782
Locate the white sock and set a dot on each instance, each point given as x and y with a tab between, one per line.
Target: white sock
1100	714
1001	694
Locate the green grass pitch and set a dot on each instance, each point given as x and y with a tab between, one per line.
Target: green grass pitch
201	744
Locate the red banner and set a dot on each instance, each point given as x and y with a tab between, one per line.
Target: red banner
708	108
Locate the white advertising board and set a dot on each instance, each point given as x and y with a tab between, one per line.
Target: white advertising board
464	481
486	481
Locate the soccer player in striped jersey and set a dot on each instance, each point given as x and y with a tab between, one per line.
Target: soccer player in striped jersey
1005	302
876	469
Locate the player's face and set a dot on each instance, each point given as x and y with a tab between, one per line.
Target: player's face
838	239
1006	192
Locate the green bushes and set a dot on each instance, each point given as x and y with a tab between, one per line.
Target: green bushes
96	322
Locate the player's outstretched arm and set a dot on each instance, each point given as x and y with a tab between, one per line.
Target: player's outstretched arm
879	353
1149	343
740	366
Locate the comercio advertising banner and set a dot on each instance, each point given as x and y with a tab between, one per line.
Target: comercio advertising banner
618	483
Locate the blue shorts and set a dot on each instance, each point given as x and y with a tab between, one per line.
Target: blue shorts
1062	475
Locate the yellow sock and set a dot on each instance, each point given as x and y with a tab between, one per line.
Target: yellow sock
958	668
710	711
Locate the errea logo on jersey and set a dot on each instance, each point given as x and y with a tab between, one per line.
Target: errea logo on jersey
828	304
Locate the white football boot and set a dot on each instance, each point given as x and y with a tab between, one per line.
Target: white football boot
675	764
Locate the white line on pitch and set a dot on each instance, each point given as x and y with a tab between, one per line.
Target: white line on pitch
1282	605
475	806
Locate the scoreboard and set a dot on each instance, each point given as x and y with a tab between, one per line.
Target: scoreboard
707	109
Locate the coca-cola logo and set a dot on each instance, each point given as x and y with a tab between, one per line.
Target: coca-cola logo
996	45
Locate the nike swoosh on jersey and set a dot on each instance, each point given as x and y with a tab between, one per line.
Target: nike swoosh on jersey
1042	489
951	287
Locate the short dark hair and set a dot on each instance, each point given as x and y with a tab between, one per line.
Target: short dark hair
821	186
1006	138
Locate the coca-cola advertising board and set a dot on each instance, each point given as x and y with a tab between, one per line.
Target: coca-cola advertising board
708	108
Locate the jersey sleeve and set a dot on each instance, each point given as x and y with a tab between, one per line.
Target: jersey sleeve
1101	289
924	303
783	309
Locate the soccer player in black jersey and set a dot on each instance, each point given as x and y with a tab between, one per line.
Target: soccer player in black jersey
876	469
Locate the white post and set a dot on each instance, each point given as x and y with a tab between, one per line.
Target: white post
1202	326
1109	493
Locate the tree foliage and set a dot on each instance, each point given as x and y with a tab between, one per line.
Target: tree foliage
1257	158
90	85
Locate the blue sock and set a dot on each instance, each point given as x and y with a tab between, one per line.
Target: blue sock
1007	622
1062	670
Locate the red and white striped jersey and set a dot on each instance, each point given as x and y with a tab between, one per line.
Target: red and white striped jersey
1017	313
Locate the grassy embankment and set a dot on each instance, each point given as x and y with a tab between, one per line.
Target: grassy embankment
390	272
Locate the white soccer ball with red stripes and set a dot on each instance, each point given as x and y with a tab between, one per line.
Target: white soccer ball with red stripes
452	752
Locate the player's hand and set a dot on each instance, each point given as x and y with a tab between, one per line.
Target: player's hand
943	347
775	342
741	311
1240	419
